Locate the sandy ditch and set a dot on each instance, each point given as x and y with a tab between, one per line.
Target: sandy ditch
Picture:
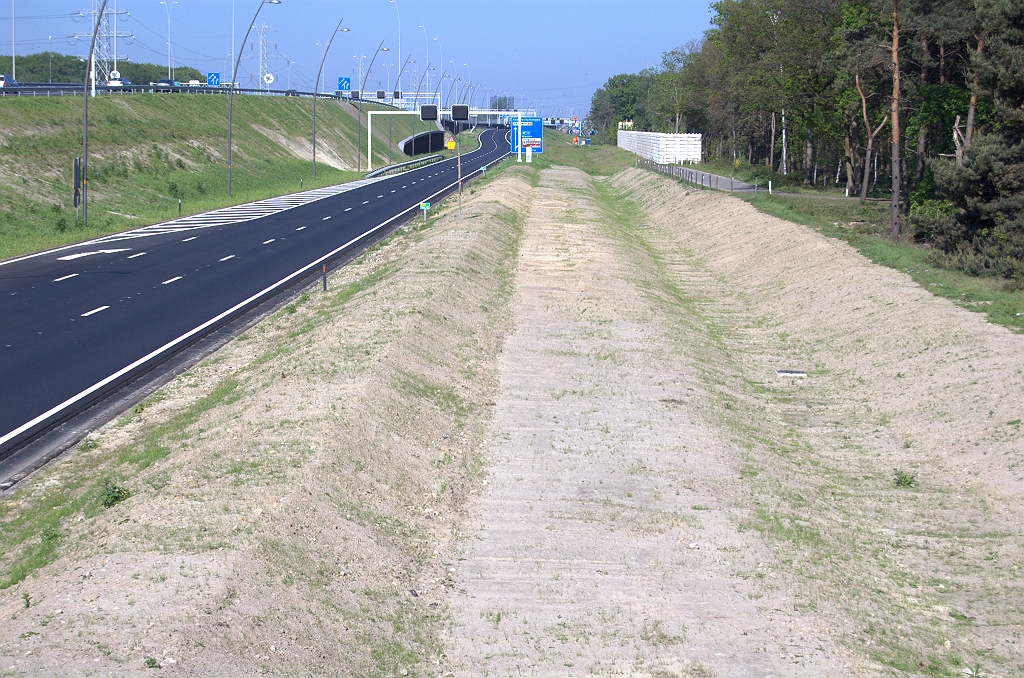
607	542
924	577
296	499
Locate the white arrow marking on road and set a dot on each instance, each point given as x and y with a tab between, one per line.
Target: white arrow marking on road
95	310
66	277
72	257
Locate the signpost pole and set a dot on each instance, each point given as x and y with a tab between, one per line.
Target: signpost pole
519	137
458	145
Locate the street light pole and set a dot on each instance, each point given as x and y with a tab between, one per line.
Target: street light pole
359	113
337	29
399	86
167	6
426	47
14	58
85	122
234	77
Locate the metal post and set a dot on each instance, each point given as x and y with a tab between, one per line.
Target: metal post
234	76
85	121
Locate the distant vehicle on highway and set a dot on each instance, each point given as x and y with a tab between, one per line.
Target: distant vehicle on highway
167	85
193	83
117	82
4	81
291	93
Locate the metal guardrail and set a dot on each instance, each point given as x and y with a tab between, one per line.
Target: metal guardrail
697	178
73	89
402	165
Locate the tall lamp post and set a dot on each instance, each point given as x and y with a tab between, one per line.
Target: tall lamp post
359	112
399	85
337	29
234	77
167	6
426	46
85	121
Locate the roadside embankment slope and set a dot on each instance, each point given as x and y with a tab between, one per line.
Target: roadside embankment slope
148	151
551	439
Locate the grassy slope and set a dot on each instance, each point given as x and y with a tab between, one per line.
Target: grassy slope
149	151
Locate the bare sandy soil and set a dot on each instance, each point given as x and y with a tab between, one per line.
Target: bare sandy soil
550	439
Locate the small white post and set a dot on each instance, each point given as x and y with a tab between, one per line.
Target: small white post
769	187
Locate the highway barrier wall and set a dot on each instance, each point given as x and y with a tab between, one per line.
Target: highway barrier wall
664	149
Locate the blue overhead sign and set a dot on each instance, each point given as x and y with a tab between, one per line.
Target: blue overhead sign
533	134
344	84
213	79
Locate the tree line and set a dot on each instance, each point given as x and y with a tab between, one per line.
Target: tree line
920	101
66	69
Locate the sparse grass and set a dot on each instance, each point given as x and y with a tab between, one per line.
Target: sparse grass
112	494
151	663
865	228
595	160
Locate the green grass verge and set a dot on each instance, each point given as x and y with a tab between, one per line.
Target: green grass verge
597	160
149	151
864	227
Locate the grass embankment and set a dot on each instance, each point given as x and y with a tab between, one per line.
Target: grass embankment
865	227
147	152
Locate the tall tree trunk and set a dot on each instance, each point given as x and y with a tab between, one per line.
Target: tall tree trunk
942	63
771	152
922	134
784	165
851	175
894	201
808	158
972	109
678	116
871	137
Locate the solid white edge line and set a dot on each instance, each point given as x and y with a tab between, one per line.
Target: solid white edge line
191	333
168	282
86	315
66	277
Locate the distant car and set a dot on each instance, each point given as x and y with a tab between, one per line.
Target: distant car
193	83
291	93
3	81
167	85
118	82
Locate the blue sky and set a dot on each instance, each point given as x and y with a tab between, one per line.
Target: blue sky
552	52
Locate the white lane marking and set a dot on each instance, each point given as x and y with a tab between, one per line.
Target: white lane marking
366	202
140	254
405	187
348	209
267	242
72	257
392	191
192	238
95	310
56	409
168	282
324	219
66	277
379	197
301	228
230	256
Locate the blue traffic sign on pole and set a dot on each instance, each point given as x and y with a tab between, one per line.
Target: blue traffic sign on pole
533	134
344	84
213	79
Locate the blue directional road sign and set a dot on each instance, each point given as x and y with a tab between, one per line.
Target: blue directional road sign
344	84
213	79
533	134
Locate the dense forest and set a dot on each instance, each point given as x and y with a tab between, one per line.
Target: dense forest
47	67
918	101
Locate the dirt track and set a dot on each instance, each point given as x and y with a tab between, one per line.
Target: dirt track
596	359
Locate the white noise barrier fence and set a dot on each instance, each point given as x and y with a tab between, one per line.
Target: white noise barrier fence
664	149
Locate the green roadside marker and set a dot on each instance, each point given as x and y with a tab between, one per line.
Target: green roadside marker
424	206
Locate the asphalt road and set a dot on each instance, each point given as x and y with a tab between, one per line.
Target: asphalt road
78	322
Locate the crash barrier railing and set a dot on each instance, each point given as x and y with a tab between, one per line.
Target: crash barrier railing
68	89
697	178
404	165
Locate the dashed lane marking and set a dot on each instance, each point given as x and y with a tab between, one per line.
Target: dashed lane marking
79	255
301	228
66	277
192	238
267	242
168	282
140	254
230	256
94	311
